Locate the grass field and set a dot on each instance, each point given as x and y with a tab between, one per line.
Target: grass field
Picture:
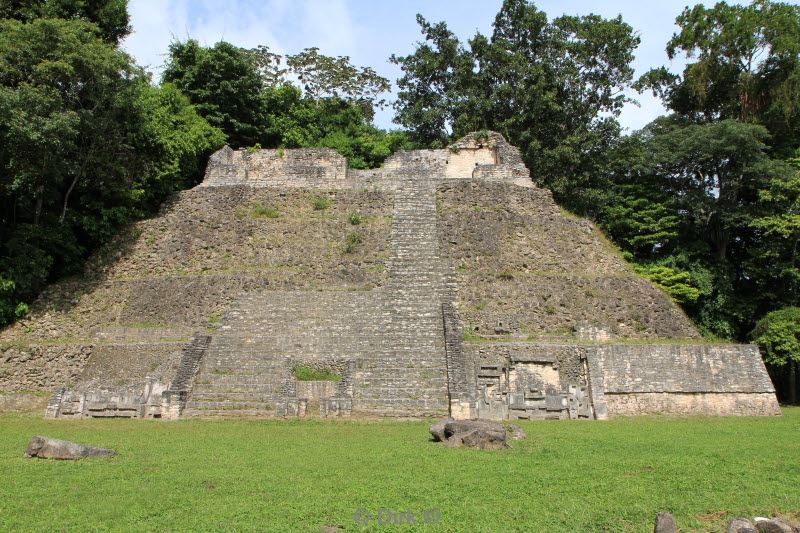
300	475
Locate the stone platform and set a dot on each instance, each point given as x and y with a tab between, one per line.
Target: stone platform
443	284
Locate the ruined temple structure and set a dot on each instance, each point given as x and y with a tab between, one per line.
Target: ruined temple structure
444	283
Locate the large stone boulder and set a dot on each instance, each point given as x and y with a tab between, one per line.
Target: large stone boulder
483	434
665	523
740	525
774	525
47	448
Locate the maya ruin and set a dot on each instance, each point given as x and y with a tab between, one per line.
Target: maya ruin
444	283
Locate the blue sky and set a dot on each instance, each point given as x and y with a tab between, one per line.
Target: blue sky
369	31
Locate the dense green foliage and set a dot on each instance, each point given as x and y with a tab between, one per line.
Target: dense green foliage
725	160
86	144
198	475
778	335
552	88
247	95
110	16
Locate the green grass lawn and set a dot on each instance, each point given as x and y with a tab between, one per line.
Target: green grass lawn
301	475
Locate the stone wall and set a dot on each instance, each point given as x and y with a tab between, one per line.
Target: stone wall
693	403
682	379
137	305
304	167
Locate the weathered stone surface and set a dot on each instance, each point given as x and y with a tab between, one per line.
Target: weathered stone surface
48	448
739	525
774	525
483	434
516	432
665	523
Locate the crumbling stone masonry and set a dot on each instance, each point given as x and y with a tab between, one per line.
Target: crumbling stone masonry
444	283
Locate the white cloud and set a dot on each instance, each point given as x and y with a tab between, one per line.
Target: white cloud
156	23
327	24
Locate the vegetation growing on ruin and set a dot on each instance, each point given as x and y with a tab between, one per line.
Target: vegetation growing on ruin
351	242
310	373
320	203
566	476
355	219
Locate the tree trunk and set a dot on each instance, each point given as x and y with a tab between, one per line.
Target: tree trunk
66	199
793	382
37	212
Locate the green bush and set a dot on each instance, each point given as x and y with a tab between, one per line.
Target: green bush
321	203
353	240
778	336
261	211
308	373
355	219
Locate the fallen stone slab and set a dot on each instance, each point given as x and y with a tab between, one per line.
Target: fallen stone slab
482	434
47	448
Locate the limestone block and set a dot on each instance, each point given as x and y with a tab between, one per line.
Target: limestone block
48	448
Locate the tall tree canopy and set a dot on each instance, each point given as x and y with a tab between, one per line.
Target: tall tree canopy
86	143
723	166
110	16
552	88
744	64
248	94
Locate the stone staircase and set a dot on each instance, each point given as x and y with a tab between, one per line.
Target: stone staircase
235	384
393	333
411	378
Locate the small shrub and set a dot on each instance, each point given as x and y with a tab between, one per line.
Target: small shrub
353	240
281	152
321	203
470	336
355	219
308	373
253	149
261	211
505	274
549	309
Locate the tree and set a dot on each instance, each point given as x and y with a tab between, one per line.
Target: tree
325	76
746	67
778	336
775	258
223	83
551	87
715	170
86	144
248	94
110	16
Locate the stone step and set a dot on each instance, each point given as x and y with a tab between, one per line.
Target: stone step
230	405
231	388
230	396
229	413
